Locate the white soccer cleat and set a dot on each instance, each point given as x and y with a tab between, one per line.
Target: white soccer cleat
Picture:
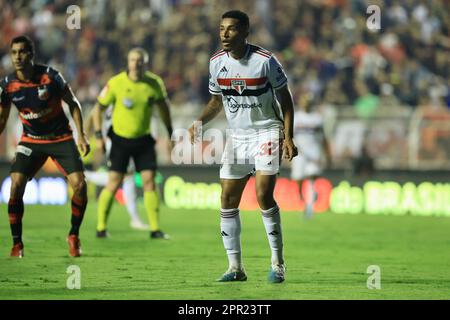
139	225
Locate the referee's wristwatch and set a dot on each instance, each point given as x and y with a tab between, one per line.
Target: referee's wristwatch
98	134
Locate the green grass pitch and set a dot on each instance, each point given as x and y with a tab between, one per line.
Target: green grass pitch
327	257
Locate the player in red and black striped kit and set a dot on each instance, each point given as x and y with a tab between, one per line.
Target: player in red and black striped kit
38	91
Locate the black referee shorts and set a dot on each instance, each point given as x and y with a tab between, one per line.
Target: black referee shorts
141	150
30	157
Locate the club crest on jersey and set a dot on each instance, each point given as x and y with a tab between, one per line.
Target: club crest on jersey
43	92
238	85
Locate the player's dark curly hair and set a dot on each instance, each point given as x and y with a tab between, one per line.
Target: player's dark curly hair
29	45
242	17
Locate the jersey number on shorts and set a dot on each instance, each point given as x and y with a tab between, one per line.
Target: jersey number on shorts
266	149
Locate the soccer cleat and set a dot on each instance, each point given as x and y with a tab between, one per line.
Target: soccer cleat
233	275
74	245
102	234
17	250
138	225
159	235
277	273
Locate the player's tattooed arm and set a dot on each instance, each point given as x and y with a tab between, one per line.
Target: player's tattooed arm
75	111
287	106
212	109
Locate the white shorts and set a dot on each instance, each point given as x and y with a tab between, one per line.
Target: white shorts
245	154
302	167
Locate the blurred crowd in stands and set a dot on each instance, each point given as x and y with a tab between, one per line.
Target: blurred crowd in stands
324	45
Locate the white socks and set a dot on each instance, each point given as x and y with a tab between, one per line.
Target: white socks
272	223
230	227
311	199
129	193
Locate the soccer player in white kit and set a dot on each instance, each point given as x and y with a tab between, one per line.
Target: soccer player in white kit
250	84
309	133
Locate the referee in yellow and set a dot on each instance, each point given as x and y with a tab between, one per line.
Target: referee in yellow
133	94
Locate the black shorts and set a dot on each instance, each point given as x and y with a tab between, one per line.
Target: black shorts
30	157
141	150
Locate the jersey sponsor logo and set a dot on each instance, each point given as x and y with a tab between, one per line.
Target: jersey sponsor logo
239	85
51	136
16	99
234	106
29	115
24	150
43	93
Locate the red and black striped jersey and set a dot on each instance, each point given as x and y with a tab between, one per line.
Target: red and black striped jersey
39	102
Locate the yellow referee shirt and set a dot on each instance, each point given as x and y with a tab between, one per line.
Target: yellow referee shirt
133	102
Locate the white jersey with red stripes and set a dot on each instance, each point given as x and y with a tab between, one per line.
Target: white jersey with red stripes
248	88
308	133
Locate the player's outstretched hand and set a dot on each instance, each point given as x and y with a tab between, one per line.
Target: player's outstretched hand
289	149
83	146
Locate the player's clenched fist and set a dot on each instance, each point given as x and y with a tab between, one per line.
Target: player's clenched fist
289	149
83	146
